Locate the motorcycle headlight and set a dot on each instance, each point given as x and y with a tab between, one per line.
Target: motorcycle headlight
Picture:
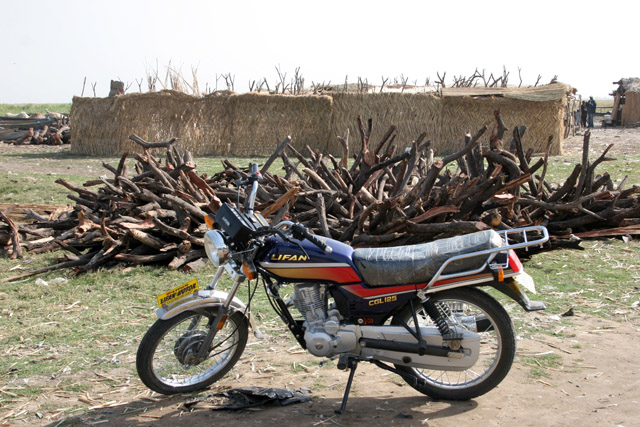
215	247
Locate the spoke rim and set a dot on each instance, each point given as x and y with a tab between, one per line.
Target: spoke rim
168	369
490	348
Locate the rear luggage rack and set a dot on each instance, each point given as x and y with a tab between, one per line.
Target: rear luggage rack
491	253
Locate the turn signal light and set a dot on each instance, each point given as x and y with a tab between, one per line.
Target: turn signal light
221	322
249	270
209	220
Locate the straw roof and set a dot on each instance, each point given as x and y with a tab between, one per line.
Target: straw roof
631	84
550	92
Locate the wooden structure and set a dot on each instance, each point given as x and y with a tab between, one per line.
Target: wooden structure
626	104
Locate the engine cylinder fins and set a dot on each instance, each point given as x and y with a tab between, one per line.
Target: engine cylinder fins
310	300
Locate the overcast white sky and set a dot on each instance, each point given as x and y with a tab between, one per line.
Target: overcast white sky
49	47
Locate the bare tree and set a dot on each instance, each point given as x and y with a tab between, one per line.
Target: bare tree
384	81
538	80
520	76
229	80
440	81
282	77
298	82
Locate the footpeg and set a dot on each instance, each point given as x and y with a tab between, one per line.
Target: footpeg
454	340
455	355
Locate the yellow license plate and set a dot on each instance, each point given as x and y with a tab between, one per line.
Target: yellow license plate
178	293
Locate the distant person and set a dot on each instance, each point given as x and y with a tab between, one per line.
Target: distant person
591	110
583	114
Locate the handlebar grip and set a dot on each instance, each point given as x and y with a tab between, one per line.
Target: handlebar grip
300	232
319	243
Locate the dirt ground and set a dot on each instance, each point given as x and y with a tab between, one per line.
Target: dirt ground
596	383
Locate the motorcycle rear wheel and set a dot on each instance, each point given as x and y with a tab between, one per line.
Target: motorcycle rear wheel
165	356
472	309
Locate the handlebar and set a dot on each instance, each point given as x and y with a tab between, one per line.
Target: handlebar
300	232
253	179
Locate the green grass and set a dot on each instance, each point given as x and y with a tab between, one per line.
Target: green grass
34	181
602	280
540	365
37	188
34	108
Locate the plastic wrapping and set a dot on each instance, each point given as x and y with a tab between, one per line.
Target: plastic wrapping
419	263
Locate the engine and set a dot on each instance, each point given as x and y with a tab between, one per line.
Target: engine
326	336
323	333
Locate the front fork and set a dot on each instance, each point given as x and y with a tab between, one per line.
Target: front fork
222	313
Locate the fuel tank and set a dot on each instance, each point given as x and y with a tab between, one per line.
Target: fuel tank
288	263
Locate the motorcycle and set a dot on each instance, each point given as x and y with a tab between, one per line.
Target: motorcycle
417	311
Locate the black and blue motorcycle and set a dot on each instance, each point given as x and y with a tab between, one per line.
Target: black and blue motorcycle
418	311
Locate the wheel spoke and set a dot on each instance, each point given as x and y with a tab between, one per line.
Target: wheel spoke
463	315
170	362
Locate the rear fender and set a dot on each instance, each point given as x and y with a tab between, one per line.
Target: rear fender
207	299
510	288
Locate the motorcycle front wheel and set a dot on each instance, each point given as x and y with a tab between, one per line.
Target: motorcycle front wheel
474	310
166	355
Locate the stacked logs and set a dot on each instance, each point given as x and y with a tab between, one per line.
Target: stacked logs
54	130
393	199
155	216
384	198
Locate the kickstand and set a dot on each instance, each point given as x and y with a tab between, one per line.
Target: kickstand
351	364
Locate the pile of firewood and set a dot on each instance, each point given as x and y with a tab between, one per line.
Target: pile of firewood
51	130
384	198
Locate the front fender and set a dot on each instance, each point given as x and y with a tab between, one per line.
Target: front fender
206	299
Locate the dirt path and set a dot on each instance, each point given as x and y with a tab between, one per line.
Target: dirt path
596	382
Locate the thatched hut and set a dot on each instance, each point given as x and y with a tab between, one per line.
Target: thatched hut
626	103
259	122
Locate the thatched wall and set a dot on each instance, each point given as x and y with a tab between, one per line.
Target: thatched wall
254	124
464	114
247	124
88	132
103	126
258	123
411	113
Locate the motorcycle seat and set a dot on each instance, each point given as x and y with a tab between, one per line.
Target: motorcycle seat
414	264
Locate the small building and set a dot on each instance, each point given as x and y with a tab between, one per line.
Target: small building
626	103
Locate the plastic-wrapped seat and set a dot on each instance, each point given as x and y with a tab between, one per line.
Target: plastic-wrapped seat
419	263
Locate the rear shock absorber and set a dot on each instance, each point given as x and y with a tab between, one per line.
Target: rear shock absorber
435	313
